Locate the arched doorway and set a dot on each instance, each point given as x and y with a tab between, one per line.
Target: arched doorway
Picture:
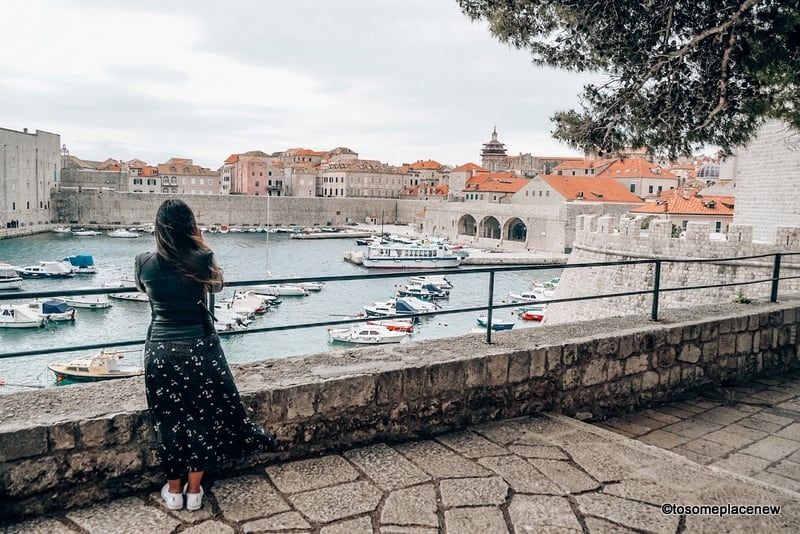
490	228
467	225
516	230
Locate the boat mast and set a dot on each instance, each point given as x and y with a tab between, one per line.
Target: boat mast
269	231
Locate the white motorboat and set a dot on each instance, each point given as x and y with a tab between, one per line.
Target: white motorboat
410	256
81	264
123	233
366	334
425	291
437	280
281	290
228	320
9	277
248	302
400	306
102	366
19	316
311	286
52	310
87	301
62	230
46	269
136	296
536	294
80	232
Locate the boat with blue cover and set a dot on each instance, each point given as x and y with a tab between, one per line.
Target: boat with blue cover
81	264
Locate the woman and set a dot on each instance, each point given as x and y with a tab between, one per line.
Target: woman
194	405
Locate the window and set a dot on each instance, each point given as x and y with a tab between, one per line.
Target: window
650	189
633	188
258	183
718	226
684	224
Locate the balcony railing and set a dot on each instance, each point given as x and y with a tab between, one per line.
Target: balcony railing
772	262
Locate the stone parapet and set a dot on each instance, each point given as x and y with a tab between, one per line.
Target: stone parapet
65	447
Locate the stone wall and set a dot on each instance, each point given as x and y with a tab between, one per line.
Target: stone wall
67	447
767	178
608	239
92	179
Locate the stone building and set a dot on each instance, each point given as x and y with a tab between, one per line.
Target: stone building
30	166
359	178
253	173
493	154
181	176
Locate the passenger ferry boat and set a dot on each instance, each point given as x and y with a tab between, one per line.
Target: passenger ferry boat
410	256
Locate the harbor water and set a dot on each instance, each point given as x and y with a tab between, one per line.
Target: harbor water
243	256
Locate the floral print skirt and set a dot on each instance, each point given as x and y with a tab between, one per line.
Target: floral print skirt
195	408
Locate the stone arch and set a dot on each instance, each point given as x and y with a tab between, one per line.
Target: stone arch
515	230
467	225
490	228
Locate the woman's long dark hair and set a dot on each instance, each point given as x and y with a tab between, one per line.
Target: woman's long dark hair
178	241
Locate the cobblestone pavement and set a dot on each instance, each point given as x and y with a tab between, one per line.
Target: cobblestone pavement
752	430
546	473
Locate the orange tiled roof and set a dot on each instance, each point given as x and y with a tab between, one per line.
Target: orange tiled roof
497	182
470	167
590	189
149	170
427	164
635	168
233	158
580	164
690	203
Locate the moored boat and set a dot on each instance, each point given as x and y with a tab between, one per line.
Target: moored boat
437	280
281	290
9	277
399	306
426	291
52	310
101	366
394	324
46	269
410	256
497	324
81	264
136	296
18	316
87	301
366	335
532	313
81	232
123	233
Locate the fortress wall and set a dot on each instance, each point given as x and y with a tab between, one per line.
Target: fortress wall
606	238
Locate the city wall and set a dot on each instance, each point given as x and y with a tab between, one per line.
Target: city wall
67	447
610	239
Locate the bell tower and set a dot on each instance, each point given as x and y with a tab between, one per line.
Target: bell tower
493	155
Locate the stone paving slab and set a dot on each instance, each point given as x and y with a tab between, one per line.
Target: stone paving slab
544	473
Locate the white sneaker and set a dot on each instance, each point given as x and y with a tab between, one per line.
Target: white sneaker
174	501
194	501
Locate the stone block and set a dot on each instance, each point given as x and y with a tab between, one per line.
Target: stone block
61	436
476	372
497	369
744	343
628	346
538	365
299	401
665	357
23	443
636	364
519	366
595	372
122	425
30	476
446	376
570	378
554	358
710	331
415	382
689	353
94	432
727	344
569	354
389	387
607	348
345	393
650	380
710	351
615	369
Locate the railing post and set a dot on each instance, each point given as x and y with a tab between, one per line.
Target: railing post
656	286
489	311
776	275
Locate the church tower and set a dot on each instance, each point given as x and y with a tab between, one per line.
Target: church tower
493	155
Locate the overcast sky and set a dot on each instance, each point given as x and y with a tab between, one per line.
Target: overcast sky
394	80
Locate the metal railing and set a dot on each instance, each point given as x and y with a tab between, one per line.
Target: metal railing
489	307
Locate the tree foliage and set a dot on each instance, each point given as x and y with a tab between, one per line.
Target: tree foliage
677	74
